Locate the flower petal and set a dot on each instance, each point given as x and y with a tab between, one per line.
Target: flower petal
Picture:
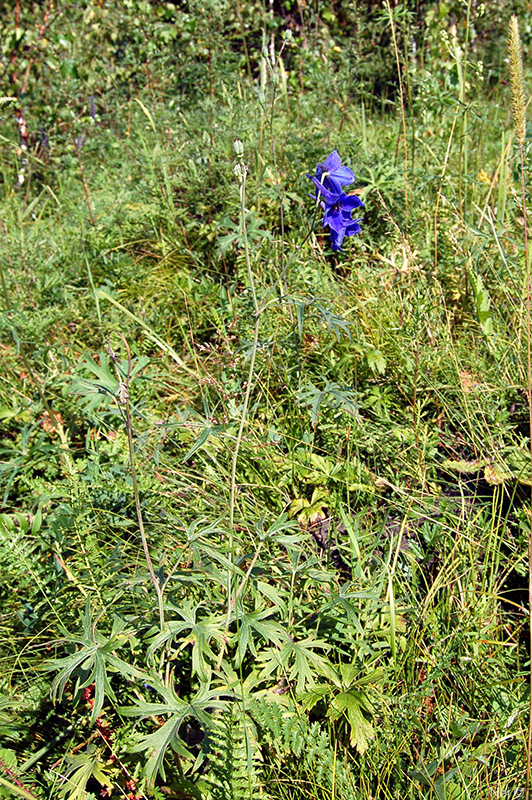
337	239
352	201
344	175
332	162
335	220
330	197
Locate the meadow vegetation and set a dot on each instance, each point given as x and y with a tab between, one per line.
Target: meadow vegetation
265	506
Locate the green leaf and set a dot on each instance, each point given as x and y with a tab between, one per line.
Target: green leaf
157	743
196	631
253	624
96	380
349	705
68	69
207	430
78	771
273	594
518	460
93	662
465	467
298	659
37	523
482	302
312	696
340	399
18	791
376	361
8	758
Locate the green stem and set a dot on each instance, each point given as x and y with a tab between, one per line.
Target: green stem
94	292
4	287
18	790
245	237
529	398
123	400
247	394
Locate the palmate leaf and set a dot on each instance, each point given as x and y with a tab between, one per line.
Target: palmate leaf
298	660
76	776
207	556
156	744
342	604
251	624
335	324
196	631
93	661
235	238
98	382
349	704
341	399
346	701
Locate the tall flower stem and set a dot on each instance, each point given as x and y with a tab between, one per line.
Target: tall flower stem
4	287
123	403
529	398
241	173
519	114
402	99
84	182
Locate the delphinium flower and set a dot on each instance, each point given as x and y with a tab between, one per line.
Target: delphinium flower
330	177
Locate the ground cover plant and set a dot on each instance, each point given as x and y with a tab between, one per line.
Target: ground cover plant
265	458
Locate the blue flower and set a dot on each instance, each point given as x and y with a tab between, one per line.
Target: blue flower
332	175
338	207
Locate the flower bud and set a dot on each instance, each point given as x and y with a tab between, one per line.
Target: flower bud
238	147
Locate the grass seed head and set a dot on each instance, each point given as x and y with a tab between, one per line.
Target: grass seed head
517	80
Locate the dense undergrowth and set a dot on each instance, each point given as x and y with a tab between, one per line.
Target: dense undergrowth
332	602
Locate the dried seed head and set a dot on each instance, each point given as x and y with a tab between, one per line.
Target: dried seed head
517	80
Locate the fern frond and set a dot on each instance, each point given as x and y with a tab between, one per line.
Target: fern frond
303	748
233	756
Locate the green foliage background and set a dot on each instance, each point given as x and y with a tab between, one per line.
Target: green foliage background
360	629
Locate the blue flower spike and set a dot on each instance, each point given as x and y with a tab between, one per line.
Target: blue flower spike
330	177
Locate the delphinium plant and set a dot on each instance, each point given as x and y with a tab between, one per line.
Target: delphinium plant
217	677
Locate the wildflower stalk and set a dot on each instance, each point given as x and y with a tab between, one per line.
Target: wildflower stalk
241	173
78	147
123	403
519	115
402	99
4	287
